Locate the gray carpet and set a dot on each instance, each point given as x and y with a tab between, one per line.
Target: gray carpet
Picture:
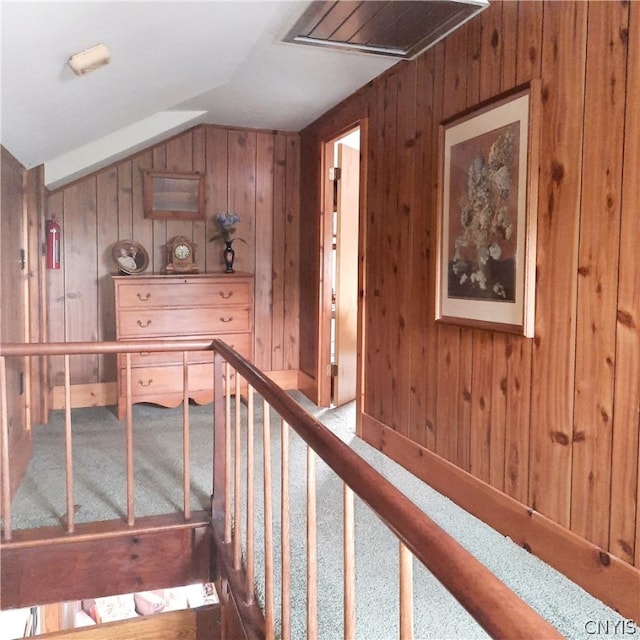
100	494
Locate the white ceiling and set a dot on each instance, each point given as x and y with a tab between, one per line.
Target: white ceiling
173	64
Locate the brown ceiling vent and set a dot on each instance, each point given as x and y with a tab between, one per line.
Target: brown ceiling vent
396	28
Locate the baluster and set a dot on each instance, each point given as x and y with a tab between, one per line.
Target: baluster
218	505
285	542
312	551
6	487
227	454
129	447
237	493
250	569
68	445
405	561
186	445
269	615
349	565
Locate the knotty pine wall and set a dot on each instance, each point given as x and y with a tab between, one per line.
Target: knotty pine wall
553	421
253	173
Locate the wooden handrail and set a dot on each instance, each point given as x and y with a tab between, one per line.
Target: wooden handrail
494	606
78	348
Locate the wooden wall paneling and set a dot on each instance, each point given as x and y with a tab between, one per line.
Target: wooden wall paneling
80	275
529	32
373	223
309	253
434	334
404	212
242	194
598	269
389	250
199	228
624	530
264	257
422	400
491	60
292	271
515	459
493	82
180	160
278	283
480	455
159	163
448	390
509	33
563	63
217	181
467	430
106	220
455	101
499	375
474	54
517	418
142	227
125	201
55	287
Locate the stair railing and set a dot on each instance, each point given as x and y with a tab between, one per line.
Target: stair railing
68	349
493	605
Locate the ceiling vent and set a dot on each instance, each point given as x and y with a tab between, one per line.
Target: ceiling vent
395	28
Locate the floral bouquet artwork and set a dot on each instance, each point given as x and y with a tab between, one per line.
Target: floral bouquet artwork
482	240
226	228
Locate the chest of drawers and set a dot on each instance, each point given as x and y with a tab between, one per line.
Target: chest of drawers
199	306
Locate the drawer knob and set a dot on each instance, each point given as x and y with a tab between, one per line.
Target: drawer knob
226	296
144	325
144	297
148	383
229	319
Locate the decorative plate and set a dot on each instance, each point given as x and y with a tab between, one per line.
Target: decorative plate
130	256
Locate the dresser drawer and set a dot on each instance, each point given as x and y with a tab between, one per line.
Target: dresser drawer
153	323
241	342
152	382
180	293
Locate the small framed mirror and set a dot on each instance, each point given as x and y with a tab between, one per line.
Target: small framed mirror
173	196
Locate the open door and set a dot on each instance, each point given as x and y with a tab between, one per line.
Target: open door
346	276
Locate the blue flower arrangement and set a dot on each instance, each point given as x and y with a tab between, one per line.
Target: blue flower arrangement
226	224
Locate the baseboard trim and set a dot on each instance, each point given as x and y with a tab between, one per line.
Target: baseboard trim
603	575
97	394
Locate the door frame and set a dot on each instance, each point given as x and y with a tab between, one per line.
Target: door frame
325	241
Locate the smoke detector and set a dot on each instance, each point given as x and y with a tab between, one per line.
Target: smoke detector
89	59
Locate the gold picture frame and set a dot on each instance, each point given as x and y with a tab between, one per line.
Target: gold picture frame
487	214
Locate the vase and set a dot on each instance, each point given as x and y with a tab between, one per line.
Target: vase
229	255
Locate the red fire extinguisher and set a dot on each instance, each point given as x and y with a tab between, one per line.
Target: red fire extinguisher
53	243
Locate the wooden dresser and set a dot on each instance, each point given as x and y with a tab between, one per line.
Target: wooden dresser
180	307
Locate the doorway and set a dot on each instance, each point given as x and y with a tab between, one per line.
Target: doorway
339	316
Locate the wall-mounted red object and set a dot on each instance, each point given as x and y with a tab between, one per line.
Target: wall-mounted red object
53	243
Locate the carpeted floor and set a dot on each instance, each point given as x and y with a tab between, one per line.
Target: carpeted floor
100	494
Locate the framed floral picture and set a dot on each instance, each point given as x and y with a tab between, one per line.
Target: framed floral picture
487	214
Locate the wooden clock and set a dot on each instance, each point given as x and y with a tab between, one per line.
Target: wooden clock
181	256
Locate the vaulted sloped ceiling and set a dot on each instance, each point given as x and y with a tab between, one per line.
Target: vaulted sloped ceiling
175	64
